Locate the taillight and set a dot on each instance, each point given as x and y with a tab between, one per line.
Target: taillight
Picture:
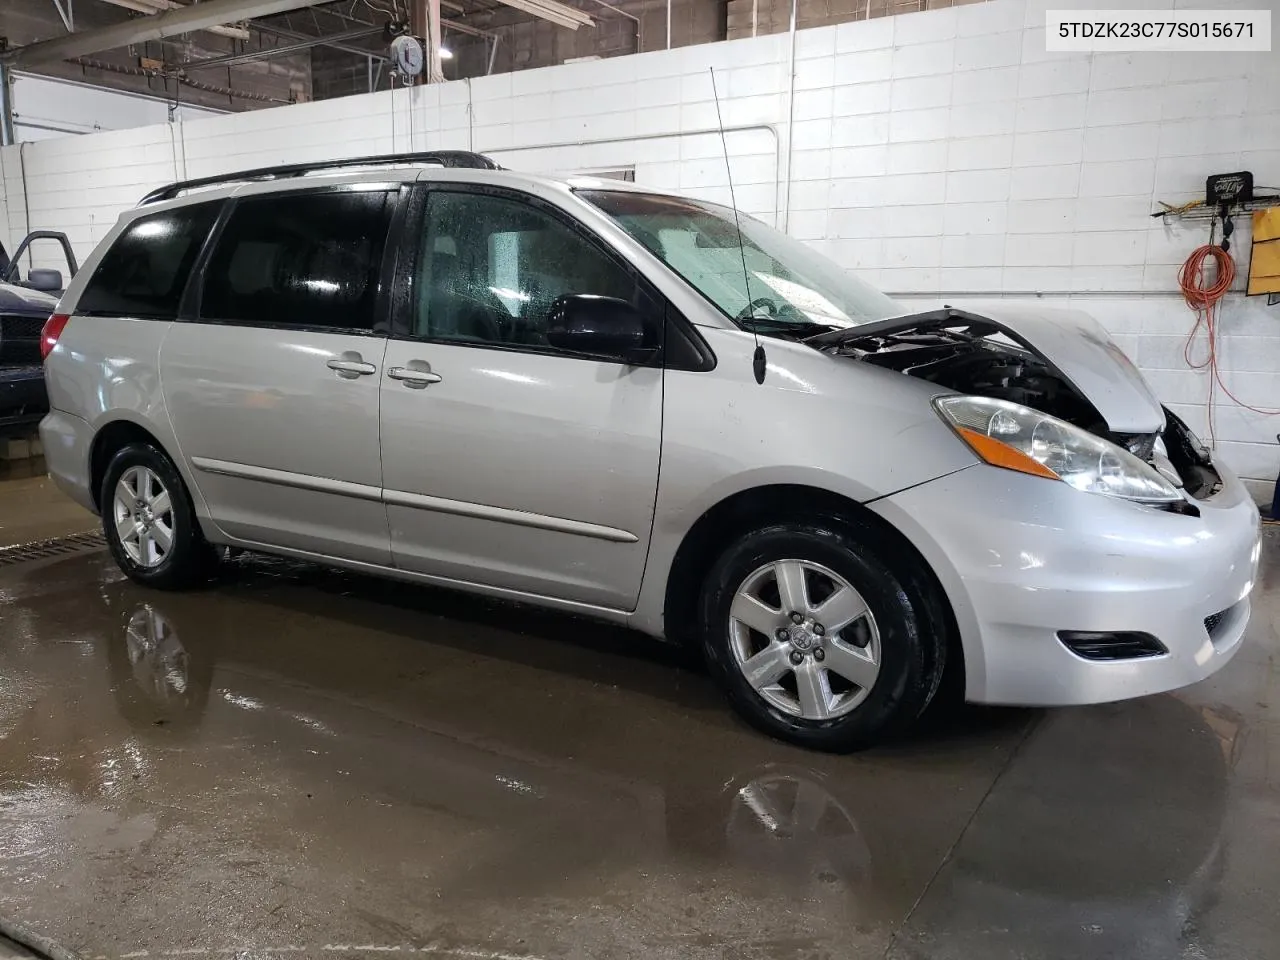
52	330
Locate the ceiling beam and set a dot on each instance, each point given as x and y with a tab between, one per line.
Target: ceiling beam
199	16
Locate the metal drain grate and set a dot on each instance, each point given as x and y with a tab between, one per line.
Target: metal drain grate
58	547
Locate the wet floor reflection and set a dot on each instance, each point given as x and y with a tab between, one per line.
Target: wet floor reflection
1104	839
153	674
317	750
295	756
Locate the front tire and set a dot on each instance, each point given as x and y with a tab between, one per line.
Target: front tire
821	634
148	520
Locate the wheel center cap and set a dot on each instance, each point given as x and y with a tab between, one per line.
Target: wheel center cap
802	638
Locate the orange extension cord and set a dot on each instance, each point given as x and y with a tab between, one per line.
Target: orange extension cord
1203	298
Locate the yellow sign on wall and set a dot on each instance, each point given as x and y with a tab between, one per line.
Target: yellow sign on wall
1264	264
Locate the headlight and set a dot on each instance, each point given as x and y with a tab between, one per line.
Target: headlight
1018	438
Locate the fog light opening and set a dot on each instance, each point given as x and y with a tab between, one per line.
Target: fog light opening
1120	645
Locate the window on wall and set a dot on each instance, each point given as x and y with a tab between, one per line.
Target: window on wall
490	268
308	260
146	270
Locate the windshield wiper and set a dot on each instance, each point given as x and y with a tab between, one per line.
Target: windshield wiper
796	328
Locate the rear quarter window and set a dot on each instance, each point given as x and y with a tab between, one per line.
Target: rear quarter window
306	260
146	270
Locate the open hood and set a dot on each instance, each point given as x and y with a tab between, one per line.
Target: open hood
1071	344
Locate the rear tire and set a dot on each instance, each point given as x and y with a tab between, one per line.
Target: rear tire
149	523
838	686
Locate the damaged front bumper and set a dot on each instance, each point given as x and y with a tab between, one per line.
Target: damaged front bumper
1024	559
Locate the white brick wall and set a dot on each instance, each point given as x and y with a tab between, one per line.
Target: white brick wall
44	107
939	154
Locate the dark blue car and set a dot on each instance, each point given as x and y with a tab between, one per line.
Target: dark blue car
22	397
24	307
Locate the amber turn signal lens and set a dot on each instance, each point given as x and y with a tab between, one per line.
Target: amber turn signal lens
1002	455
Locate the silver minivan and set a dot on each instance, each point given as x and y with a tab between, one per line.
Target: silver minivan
652	410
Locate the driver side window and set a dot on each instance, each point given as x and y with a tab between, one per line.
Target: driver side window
489	269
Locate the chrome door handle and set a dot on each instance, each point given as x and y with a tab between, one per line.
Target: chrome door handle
417	379
350	369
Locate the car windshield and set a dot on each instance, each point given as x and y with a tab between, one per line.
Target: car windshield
768	281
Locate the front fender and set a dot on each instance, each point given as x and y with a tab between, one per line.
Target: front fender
819	421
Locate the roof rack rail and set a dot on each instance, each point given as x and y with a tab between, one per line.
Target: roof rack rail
442	158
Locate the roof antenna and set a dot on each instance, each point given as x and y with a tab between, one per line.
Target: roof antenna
758	358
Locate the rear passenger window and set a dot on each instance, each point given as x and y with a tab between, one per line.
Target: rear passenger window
146	269
299	260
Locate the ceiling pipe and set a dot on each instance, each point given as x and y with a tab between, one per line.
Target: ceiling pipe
493	55
198	16
784	222
131	71
157	6
553	10
6	107
629	16
468	30
68	15
444	21
328	40
268	53
332	41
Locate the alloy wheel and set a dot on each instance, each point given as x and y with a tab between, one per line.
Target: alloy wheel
143	513
804	639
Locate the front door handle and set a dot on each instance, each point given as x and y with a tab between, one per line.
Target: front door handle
351	365
413	377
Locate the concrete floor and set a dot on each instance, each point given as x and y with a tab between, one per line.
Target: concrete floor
32	508
301	761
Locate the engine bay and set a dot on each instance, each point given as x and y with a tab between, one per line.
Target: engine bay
984	368
984	363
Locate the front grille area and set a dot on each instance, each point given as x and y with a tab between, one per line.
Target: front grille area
20	339
22	328
1120	645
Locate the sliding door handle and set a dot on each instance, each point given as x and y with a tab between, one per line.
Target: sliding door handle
411	377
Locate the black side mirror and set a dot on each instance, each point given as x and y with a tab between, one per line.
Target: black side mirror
50	281
602	327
